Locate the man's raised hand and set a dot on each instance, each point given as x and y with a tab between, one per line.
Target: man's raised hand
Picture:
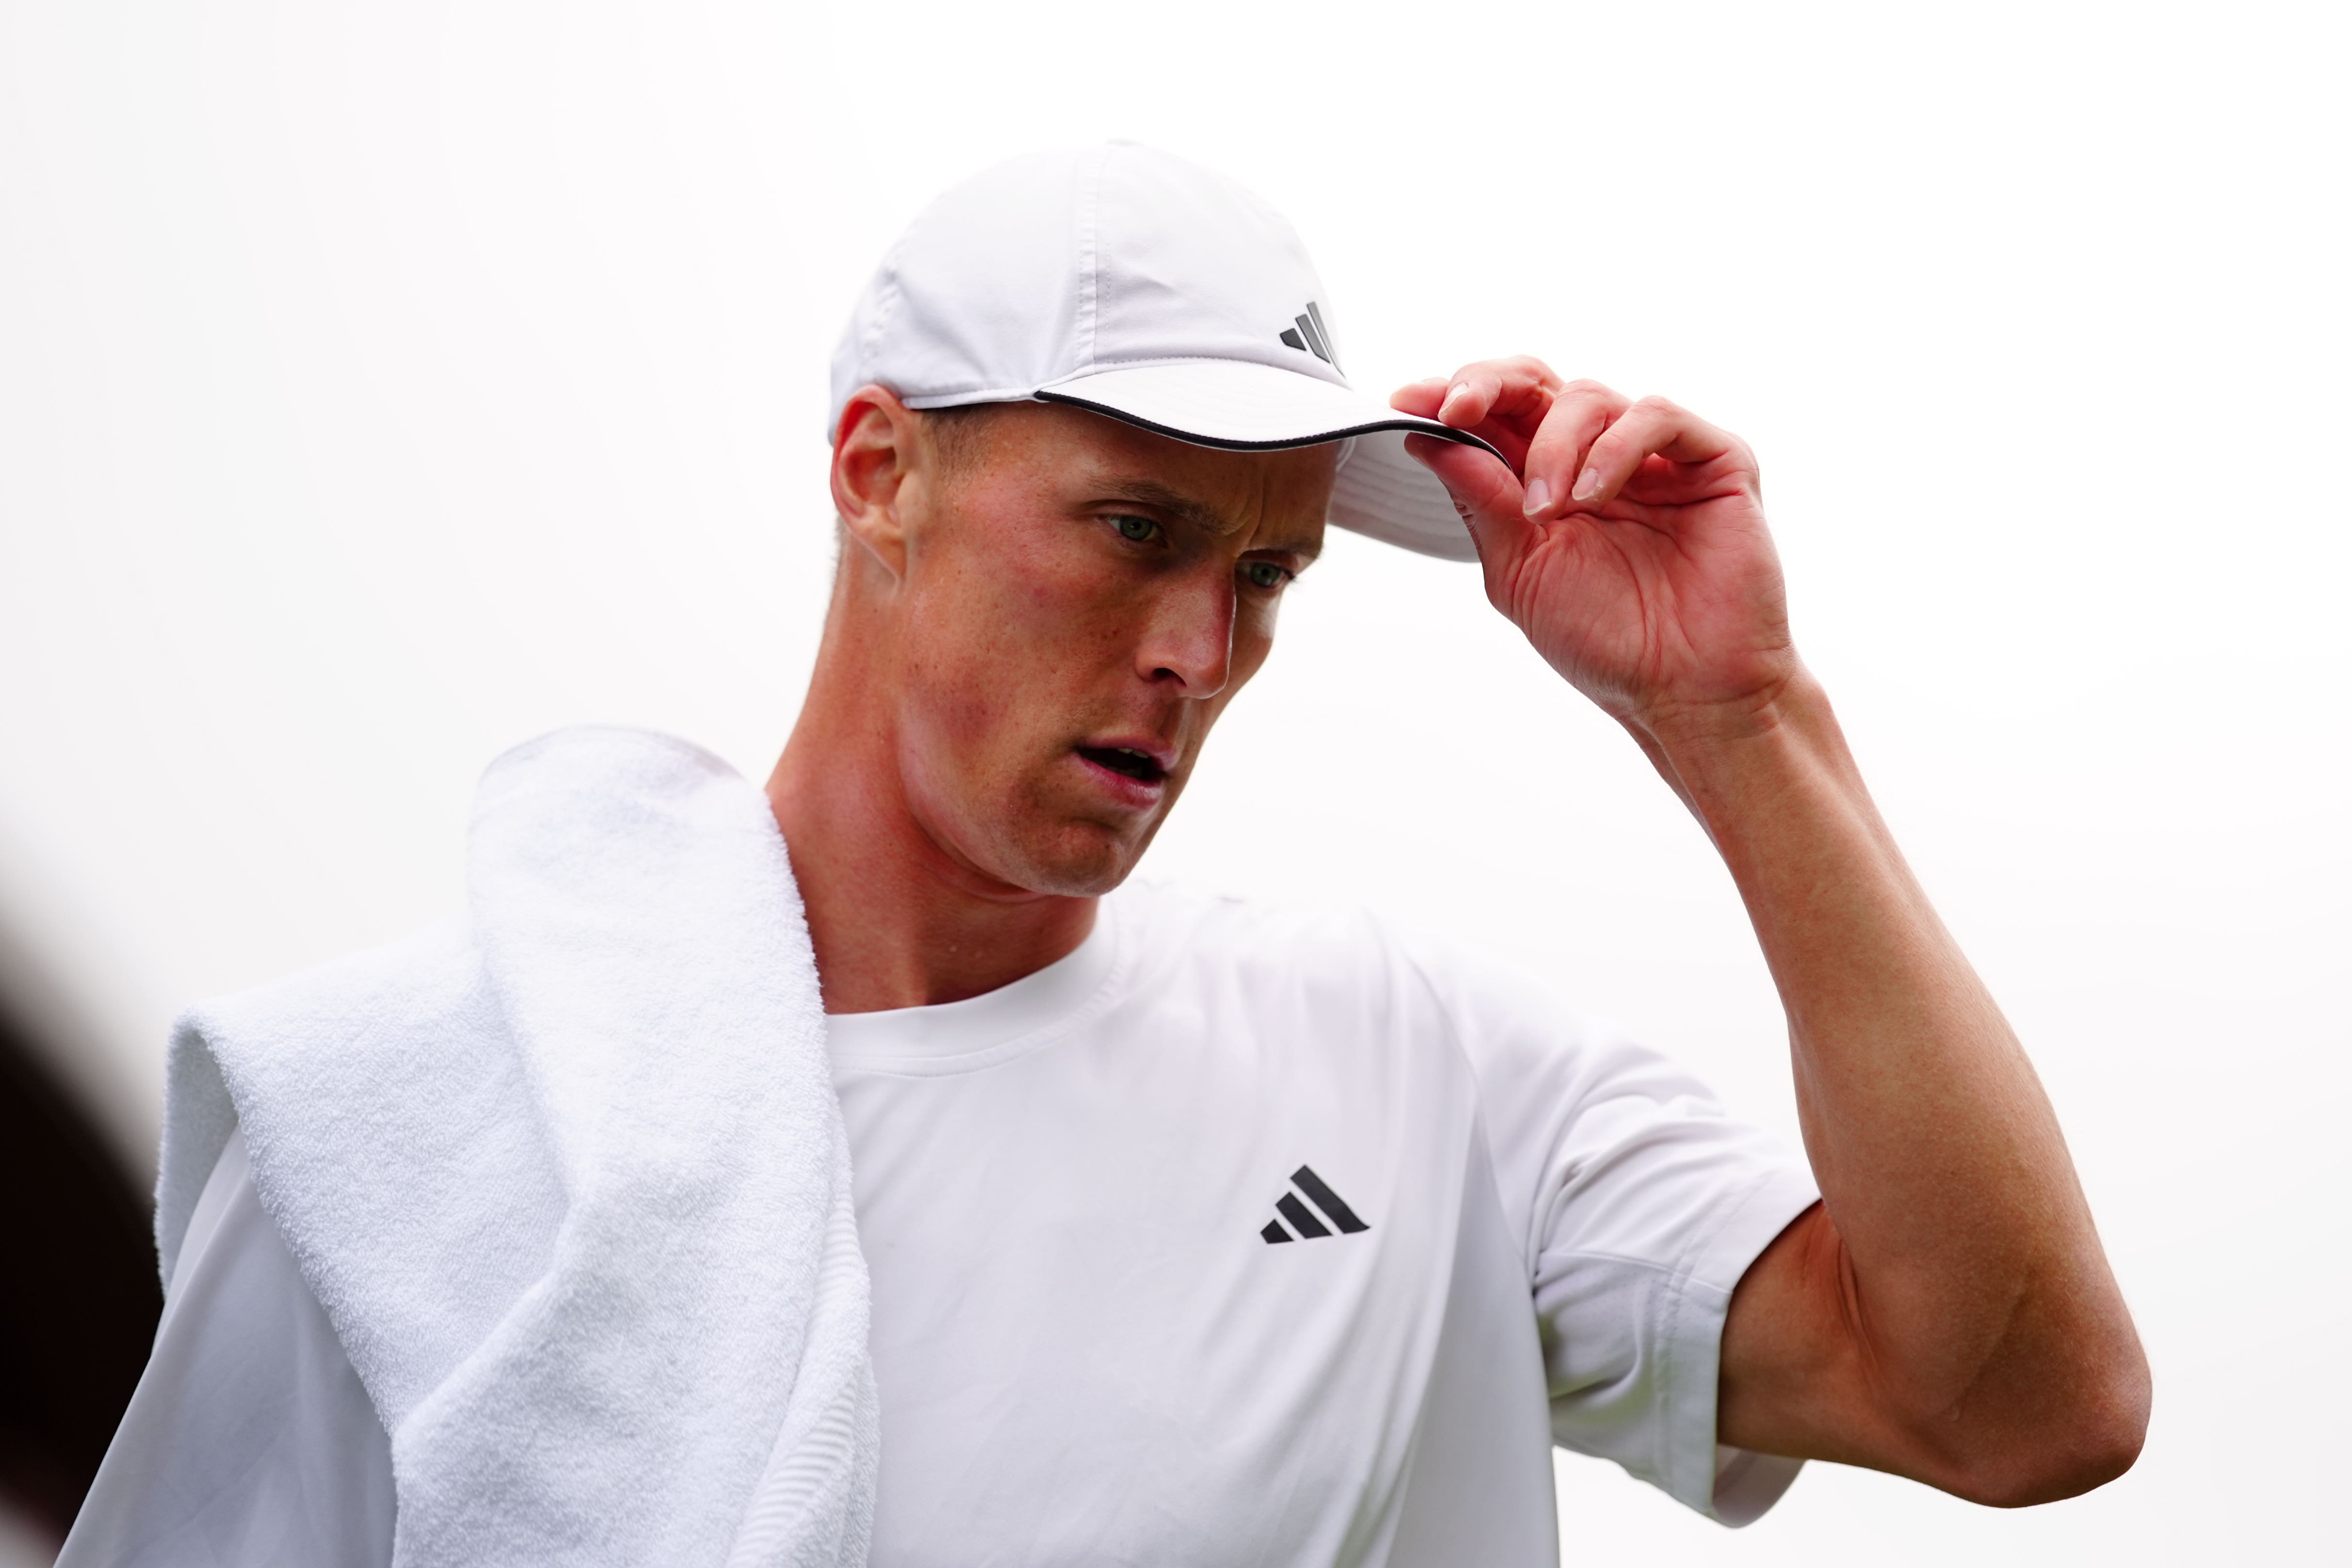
1627	539
1946	1312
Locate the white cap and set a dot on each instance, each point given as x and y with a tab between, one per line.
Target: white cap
1124	280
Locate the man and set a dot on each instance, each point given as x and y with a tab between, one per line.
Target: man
1197	1232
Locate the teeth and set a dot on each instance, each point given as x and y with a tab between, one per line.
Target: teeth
1130	750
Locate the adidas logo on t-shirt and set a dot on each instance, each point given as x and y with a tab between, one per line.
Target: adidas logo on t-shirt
1309	1222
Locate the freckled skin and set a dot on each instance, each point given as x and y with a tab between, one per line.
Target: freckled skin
1030	624
989	618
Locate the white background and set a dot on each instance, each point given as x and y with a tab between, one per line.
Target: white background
381	385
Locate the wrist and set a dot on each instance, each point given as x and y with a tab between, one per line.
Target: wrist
1790	698
1719	754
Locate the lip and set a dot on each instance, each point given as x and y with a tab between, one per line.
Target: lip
1123	786
1163	755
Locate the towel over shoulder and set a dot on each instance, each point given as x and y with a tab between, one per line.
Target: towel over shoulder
570	1179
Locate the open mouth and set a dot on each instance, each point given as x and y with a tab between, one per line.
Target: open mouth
1137	765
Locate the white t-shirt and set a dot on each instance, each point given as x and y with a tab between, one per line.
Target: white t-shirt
1241	1235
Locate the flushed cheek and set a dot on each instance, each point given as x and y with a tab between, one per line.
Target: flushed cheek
983	717
964	786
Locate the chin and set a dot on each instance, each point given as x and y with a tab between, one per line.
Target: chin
1079	875
1042	842
1075	860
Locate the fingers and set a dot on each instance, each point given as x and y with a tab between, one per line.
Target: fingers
1514	392
1581	412
1573	446
1487	496
1422	397
1501	401
1651	427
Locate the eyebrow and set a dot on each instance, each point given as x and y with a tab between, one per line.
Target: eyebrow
1151	493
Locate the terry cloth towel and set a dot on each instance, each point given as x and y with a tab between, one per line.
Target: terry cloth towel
570	1179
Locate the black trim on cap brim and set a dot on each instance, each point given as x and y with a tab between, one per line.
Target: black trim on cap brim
1402	426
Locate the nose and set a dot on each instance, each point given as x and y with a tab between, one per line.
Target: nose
1189	636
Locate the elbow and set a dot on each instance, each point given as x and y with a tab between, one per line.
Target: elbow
2085	1433
2082	1456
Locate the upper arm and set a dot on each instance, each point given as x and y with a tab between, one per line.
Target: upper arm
249	1438
1795	1378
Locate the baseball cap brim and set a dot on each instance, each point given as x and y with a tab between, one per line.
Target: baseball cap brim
1381	491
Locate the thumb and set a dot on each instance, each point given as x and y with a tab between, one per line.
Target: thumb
1488	495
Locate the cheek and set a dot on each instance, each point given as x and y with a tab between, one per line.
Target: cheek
997	659
957	695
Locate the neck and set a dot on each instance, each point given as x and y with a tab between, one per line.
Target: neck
896	919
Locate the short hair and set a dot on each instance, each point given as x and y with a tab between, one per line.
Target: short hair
956	433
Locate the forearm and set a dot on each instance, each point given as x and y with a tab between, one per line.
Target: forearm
1954	1241
1923	1122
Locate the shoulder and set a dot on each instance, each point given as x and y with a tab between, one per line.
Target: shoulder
1175	935
430	974
1167	918
1481	1001
381	1018
1522	1042
322	1052
403	1012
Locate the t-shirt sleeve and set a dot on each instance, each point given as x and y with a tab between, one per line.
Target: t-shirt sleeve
249	1438
1639	1205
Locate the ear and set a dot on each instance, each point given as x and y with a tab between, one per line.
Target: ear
876	449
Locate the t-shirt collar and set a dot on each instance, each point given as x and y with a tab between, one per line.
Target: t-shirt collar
981	1026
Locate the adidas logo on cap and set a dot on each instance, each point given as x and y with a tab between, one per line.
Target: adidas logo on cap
1310	1222
1311	336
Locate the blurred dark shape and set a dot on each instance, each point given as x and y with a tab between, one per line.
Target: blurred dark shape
78	1295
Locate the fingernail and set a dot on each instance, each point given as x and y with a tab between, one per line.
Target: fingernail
1459	389
1539	497
1588	484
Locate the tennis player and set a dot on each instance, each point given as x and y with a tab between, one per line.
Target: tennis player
1202	1231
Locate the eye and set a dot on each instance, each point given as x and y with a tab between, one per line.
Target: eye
1263	575
1140	529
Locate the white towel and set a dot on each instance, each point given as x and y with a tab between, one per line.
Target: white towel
570	1179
